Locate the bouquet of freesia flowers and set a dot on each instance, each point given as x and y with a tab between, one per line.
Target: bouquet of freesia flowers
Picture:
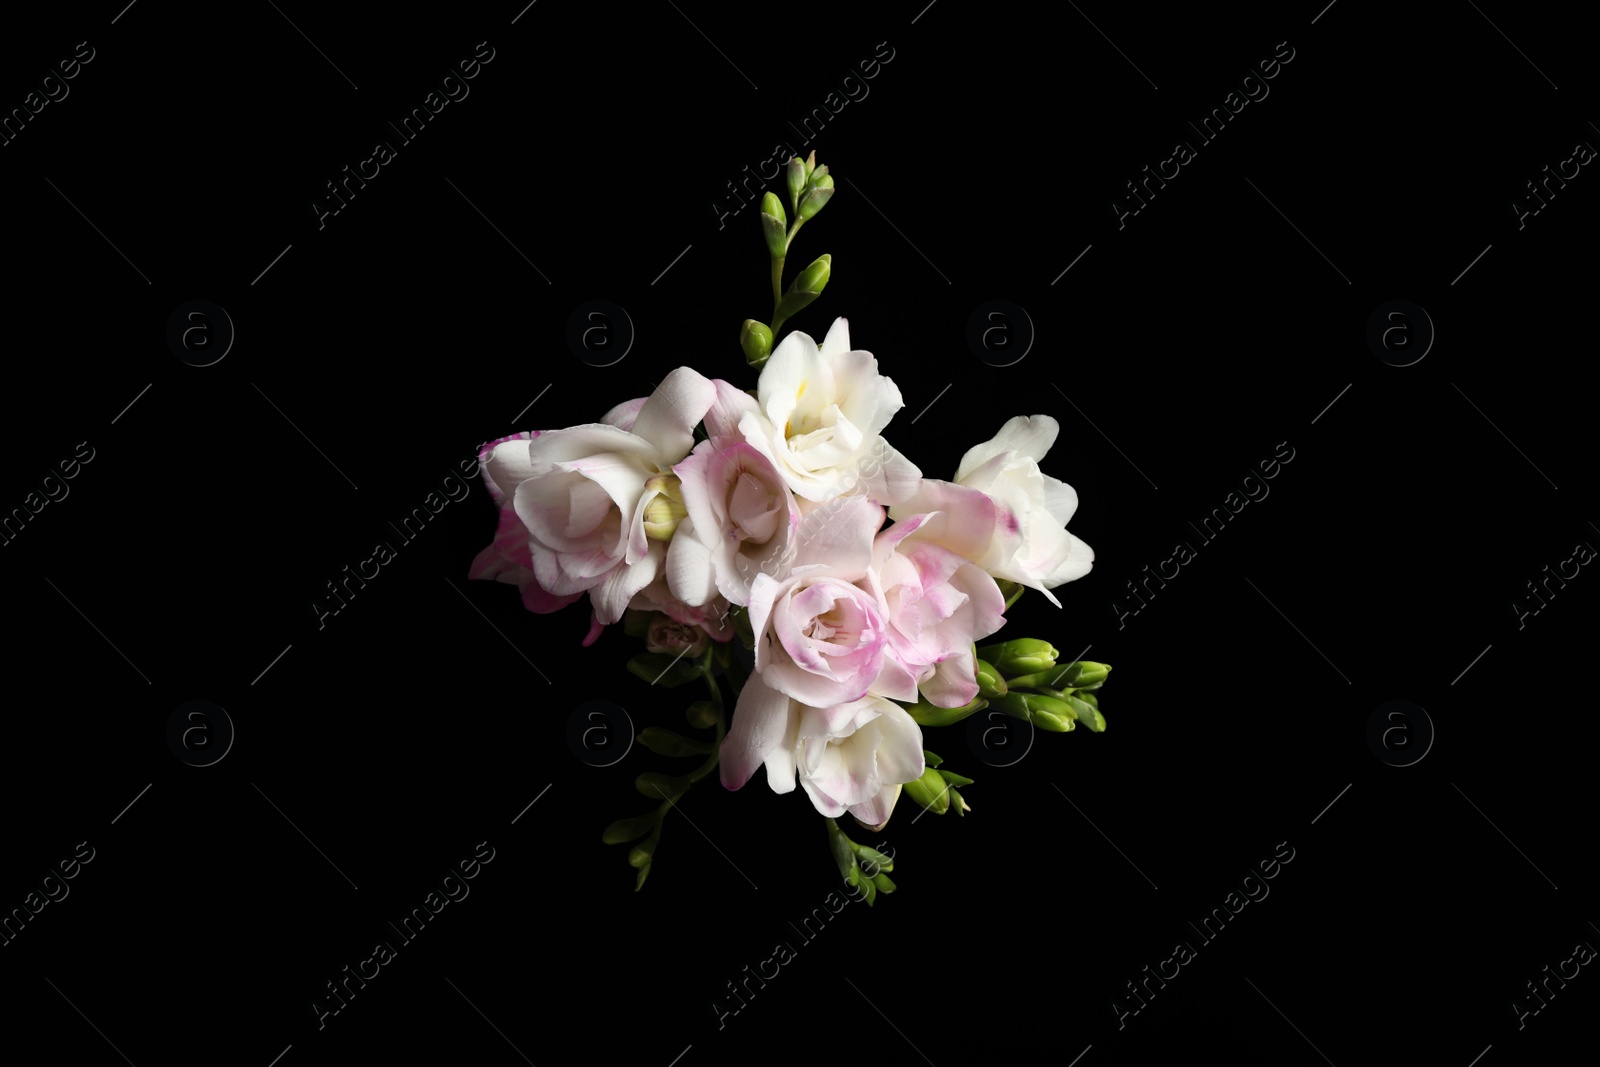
710	521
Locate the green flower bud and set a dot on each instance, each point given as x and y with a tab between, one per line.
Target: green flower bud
844	855
871	859
667	743
814	179
1013	705
807	287
772	224
1082	674
796	179
1046	713
926	714
756	341
664	511
639	855
990	684
811	163
816	198
771	205
929	792
1087	713
1045	719
638	883
1021	655
958	803
702	714
625	830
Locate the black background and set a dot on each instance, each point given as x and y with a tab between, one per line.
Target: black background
1178	351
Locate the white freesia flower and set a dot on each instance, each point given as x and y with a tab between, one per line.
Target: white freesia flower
819	420
1003	513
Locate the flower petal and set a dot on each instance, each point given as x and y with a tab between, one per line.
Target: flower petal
667	419
763	731
1029	436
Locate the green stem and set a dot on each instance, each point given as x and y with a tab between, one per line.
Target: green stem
722	721
777	279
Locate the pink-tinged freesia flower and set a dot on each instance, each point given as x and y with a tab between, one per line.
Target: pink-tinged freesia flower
583	492
742	521
819	417
850	757
940	603
856	756
1003	513
509	558
822	630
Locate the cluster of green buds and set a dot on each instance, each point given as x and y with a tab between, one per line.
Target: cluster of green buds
936	789
864	868
810	187
1050	696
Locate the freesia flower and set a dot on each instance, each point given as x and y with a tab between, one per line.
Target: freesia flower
939	604
742	521
582	492
850	757
819	416
822	631
1003	513
509	557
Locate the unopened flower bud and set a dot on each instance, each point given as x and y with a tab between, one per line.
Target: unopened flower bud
772	224
807	287
1082	674
1086	712
930	791
665	509
796	180
756	340
702	714
624	830
925	714
816	197
990	684
1045	712
1021	655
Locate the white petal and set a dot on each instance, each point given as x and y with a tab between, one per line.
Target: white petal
668	417
764	724
690	575
1029	436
